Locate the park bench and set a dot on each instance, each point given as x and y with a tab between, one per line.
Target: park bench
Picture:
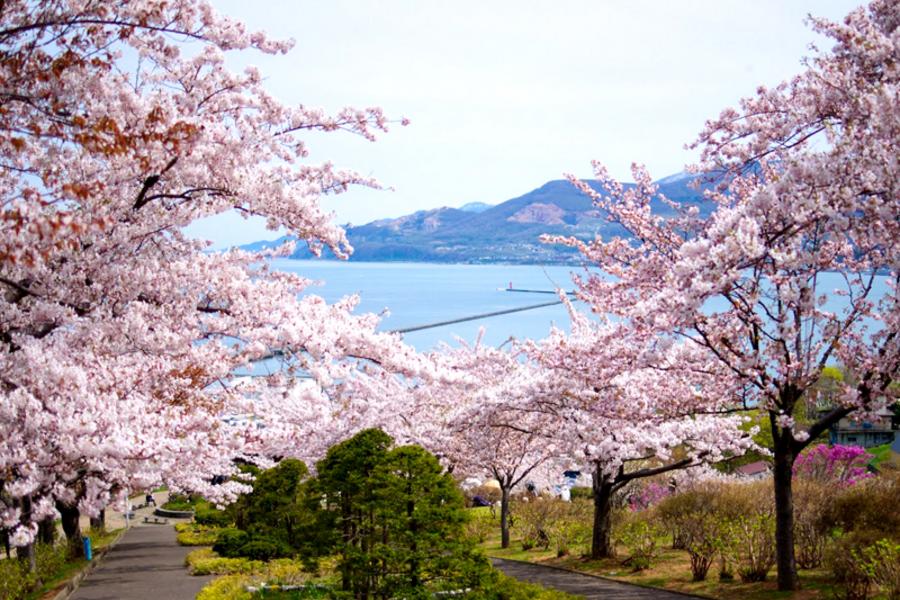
156	520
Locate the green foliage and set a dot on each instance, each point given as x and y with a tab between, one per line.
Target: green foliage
480	526
535	517
304	593
749	541
265	549
230	541
207	514
279	518
398	520
881	564
572	531
695	523
581	493
279	572
16	582
640	535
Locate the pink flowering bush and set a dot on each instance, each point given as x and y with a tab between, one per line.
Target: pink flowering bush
844	465
648	496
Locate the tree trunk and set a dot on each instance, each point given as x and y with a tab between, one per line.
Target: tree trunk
26	554
601	540
784	511
504	517
47	531
72	529
99	522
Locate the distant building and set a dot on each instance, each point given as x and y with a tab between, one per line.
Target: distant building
864	433
755	470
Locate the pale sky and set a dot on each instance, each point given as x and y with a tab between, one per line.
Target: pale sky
504	96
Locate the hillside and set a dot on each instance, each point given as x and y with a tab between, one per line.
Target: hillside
504	233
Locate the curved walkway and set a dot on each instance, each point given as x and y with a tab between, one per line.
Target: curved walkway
146	563
586	586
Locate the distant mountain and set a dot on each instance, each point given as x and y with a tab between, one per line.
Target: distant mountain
475	207
508	232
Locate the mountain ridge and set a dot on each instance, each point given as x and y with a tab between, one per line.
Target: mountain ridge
507	232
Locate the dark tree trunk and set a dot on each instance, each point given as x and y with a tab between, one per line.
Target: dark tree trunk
72	529
99	522
26	553
47	531
784	511
601	540
504	517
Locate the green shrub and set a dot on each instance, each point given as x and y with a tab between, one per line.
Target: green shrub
863	507
265	549
396	519
695	522
15	581
859	561
229	542
750	543
640	536
581	493
536	516
881	563
810	538
306	592
480	526
207	514
573	531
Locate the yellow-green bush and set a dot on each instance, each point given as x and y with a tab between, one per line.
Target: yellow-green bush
480	525
572	532
206	562
233	586
16	581
229	587
810	538
640	534
194	534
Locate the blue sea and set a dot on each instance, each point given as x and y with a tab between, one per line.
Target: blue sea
417	294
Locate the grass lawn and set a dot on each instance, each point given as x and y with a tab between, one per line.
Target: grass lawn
671	571
883	456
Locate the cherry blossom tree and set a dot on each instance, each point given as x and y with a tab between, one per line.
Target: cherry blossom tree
482	427
628	407
457	413
118	335
808	187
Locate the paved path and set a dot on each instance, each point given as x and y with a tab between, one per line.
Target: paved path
585	586
147	563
